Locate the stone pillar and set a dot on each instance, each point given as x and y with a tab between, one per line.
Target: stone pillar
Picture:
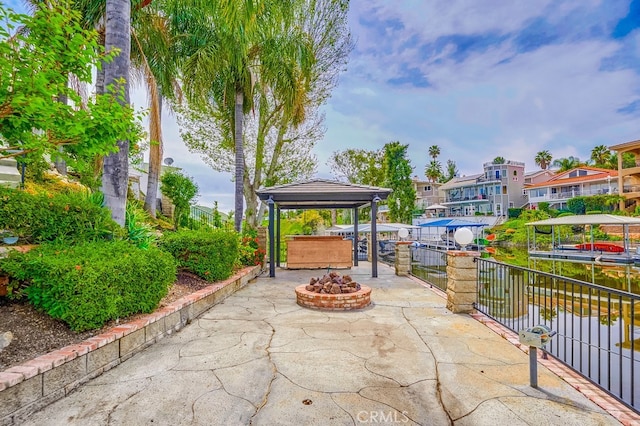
403	258
262	239
462	281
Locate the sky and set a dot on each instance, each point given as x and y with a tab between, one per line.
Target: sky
478	78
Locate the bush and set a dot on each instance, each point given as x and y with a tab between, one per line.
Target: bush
71	217
514	213
250	253
182	191
577	205
91	283
210	254
543	206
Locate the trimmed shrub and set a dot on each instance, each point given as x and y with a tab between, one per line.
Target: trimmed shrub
210	254
577	205
91	283
72	217
514	212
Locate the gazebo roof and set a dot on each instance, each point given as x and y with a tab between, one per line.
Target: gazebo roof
322	194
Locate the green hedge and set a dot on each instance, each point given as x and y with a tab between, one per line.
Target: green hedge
72	217
91	283
210	254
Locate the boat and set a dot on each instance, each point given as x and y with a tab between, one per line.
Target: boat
608	247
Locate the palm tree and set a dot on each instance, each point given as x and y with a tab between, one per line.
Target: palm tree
238	43
433	171
600	156
564	164
153	54
543	159
434	151
499	160
116	166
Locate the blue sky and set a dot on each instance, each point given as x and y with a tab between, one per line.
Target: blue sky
479	78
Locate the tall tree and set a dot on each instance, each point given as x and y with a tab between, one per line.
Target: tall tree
543	159
452	171
600	156
564	164
433	172
59	46
116	165
154	55
499	160
398	173
434	151
234	44
358	166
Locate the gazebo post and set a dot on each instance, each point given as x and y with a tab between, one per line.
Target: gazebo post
355	236
374	237
272	265
278	237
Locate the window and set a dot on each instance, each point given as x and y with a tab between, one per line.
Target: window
504	189
497	174
515	173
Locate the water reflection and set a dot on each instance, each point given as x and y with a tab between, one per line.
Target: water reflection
598	330
619	277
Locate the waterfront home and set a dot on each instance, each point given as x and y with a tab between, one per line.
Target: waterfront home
629	178
494	191
579	181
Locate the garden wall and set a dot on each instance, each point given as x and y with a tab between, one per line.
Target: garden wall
28	387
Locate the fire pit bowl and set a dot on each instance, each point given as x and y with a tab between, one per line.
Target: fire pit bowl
333	293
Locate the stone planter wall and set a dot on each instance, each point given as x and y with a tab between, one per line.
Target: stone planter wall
28	387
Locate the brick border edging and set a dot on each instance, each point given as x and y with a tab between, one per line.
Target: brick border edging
30	386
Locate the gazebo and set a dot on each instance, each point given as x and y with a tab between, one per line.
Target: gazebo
321	194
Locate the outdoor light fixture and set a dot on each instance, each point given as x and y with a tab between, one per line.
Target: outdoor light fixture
463	236
403	233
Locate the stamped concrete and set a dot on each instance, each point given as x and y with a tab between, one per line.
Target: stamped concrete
260	359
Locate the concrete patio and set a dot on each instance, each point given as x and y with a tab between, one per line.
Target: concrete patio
258	358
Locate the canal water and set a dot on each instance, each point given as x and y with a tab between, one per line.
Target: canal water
619	277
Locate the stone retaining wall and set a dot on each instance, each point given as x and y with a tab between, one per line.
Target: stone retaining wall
28	387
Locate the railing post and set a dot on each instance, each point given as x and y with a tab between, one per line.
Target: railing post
403	258
462	281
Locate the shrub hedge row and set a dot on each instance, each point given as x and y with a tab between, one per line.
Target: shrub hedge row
70	217
210	254
88	284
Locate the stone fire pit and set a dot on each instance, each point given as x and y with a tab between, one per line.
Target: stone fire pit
333	292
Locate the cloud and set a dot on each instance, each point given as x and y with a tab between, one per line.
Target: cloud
504	78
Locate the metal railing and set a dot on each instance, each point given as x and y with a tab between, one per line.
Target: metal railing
430	265
596	325
199	217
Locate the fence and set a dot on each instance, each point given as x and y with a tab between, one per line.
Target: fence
596	325
199	217
430	265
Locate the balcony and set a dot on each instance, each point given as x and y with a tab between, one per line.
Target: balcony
476	198
565	195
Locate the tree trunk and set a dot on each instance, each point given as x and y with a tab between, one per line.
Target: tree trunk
115	174
155	153
237	137
60	164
